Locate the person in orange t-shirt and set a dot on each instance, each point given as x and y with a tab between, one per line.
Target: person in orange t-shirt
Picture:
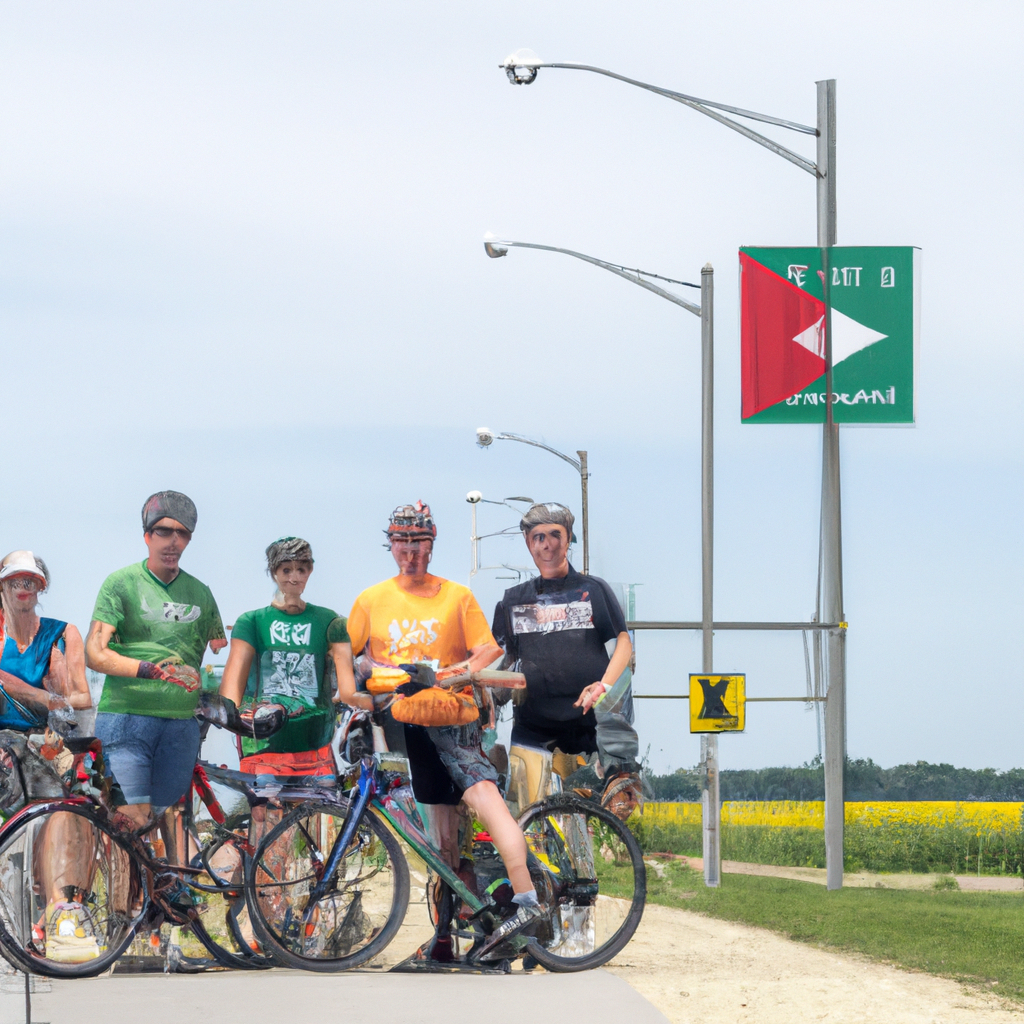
422	621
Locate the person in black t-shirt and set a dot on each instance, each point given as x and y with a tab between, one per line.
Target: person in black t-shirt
556	628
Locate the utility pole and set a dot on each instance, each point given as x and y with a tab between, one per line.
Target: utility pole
585	495
711	812
831	541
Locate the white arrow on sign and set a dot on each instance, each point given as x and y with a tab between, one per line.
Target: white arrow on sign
848	336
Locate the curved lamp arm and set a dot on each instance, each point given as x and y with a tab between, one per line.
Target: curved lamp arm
704	106
495	248
538	444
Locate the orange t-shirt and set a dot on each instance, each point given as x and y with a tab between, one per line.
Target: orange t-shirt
395	627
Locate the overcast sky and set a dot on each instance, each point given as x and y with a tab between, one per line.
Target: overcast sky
242	258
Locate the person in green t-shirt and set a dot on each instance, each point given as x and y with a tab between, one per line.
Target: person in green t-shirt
150	629
279	655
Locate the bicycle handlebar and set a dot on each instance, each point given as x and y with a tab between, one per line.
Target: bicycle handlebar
485	678
258	723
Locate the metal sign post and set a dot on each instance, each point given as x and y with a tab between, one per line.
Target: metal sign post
830	565
710	795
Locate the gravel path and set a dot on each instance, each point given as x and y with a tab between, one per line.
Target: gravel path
698	970
862	879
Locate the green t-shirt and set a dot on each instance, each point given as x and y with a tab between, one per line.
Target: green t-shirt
291	668
154	620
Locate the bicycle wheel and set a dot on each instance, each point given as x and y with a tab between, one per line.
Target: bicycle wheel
71	892
224	928
589	869
364	904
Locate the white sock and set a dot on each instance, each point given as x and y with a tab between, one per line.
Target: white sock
526	899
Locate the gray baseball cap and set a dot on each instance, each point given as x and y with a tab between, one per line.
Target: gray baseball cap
172	505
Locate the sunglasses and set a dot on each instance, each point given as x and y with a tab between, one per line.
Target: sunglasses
23	583
163	532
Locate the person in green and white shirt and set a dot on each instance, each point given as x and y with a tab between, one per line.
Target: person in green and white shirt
286	654
149	632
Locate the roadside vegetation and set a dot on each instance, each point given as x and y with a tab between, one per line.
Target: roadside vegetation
865	780
922	836
914	817
977	938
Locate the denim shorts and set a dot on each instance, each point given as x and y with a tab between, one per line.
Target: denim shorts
151	759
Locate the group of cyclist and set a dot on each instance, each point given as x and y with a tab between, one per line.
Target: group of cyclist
153	622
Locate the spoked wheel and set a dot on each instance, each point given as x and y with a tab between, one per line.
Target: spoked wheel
224	927
71	892
364	904
589	869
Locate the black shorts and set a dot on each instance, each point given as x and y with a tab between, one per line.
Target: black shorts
576	736
445	762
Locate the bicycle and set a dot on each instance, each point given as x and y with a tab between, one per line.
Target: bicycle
224	850
110	876
328	886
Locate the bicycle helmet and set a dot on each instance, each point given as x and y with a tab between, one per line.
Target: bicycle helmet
411	522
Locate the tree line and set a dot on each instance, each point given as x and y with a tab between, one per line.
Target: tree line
865	780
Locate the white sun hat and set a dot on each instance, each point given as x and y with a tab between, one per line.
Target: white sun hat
21	563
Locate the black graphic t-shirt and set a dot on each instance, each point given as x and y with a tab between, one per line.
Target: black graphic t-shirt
557	630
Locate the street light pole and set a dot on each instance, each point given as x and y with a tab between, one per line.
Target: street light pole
484	437
522	68
475	498
830	569
585	511
710	795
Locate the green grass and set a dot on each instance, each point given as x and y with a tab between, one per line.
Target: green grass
971	937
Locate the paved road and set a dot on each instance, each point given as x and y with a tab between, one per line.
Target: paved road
372	996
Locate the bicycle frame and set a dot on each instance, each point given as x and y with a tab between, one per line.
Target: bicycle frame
422	846
54	804
369	787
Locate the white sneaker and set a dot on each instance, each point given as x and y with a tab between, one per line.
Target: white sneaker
70	937
525	918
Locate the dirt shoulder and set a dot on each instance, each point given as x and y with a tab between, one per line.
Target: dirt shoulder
698	970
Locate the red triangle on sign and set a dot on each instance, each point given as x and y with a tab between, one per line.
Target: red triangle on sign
773	311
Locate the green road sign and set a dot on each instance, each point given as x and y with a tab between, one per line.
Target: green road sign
874	292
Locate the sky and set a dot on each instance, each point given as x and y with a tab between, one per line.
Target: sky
242	258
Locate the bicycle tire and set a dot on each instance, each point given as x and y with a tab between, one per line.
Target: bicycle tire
217	927
360	913
577	849
106	903
223	957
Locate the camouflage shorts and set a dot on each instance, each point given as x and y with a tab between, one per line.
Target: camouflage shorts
461	753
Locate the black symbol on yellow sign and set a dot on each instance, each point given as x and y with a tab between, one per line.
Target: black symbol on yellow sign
714	699
717	703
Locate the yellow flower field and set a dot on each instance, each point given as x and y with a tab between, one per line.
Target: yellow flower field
981	817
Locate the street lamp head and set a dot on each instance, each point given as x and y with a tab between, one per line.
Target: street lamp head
493	247
474	497
484	436
521	66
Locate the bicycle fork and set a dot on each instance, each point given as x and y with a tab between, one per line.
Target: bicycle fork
367	787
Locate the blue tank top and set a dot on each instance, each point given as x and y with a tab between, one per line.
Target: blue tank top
30	666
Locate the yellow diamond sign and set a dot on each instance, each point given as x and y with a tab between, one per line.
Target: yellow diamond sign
718	703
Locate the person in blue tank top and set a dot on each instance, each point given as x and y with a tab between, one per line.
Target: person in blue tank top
42	666
42	670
